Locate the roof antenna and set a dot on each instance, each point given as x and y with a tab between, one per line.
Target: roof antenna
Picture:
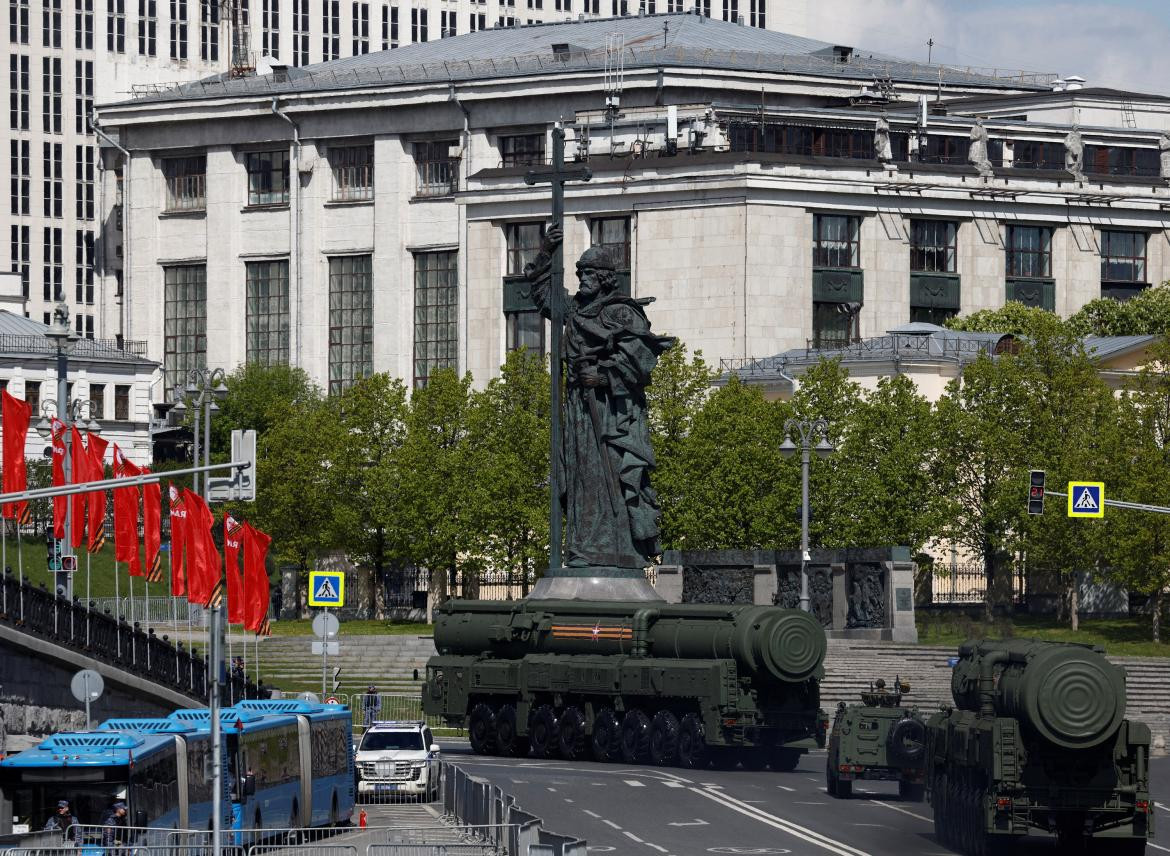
929	49
665	30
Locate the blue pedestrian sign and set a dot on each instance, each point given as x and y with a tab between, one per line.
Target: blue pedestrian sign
327	588
1086	499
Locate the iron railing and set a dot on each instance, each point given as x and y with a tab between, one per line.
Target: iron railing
353	182
966	582
438	177
186	192
106	349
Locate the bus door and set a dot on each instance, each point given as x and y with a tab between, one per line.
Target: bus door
184	791
304	730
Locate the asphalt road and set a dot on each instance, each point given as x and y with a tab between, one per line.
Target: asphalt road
648	811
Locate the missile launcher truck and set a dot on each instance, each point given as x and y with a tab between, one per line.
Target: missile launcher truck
1038	742
635	682
877	739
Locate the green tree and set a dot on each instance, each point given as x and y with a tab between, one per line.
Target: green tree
1013	318
1147	313
257	398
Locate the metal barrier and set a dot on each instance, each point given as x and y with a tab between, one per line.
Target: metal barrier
379	707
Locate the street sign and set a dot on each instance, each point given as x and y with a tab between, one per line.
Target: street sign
327	588
324	646
87	685
240	485
325	626
1086	499
331	700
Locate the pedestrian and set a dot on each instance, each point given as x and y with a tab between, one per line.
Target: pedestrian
370	705
64	822
113	827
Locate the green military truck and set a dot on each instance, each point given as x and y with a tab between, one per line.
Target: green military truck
1038	742
878	739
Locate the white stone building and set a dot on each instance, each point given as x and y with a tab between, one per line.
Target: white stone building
370	214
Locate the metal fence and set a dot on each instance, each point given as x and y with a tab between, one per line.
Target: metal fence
966	582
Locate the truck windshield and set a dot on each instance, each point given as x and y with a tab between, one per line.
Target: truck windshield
375	741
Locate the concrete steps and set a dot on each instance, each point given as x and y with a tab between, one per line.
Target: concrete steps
389	662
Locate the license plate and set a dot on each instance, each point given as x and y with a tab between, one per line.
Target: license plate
385	788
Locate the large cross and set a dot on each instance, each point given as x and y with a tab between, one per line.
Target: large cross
557	177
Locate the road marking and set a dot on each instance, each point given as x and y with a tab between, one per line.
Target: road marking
786	788
802	802
633	837
681	785
611	823
598	784
1161	806
519	781
634	783
1158	847
553	790
903	810
712	786
656	847
696	822
591	813
793	829
568	800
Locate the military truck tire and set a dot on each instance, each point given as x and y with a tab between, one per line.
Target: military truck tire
844	788
481	728
664	739
507	743
752	759
906	742
783	760
543	735
911	791
635	737
571	730
607	742
692	745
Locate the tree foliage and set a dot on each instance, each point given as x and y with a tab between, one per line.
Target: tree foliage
1147	313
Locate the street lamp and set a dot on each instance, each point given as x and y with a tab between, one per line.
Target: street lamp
808	430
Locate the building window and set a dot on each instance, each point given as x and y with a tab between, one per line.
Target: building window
20	249
330	30
18	14
418	25
436	303
82	96
759	14
270	28
389	27
1121	160
178	29
932	246
476	21
267	178
51	23
522	150
148	27
32	395
186	183
266	340
18	92
613	235
83	268
525	326
116	26
97	394
51	94
300	32
1123	257
353	172
20	168
1029	251
1032	154
361	28
82	25
836	241
523	242
121	403
438	172
209	30
351	321
447	25
184	321
83	164
52	184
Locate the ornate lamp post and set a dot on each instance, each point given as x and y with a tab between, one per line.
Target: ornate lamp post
809	431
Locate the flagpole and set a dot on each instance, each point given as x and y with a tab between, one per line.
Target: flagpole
4	560
133	647
88	556
20	567
117	608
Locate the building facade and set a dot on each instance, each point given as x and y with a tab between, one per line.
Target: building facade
769	192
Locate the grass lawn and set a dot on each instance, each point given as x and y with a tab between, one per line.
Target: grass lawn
101	575
1118	636
304	627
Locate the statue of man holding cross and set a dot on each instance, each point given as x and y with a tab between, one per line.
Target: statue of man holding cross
611	510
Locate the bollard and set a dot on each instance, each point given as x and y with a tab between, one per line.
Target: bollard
362	819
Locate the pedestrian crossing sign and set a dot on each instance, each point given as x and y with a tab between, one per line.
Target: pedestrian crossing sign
1086	499
326	588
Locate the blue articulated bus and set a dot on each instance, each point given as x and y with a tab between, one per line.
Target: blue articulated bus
287	764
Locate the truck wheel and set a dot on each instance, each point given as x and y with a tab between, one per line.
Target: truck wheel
664	739
844	789
635	737
571	728
606	743
911	791
543	736
481	728
507	743
692	745
784	760
830	779
906	742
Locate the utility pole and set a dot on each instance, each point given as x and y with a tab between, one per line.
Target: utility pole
929	50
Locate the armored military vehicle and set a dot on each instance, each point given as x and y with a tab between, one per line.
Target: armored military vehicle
877	739
1038	742
665	683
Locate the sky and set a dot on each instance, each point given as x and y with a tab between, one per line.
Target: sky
1117	43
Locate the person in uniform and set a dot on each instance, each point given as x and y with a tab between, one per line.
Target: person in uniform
63	821
114	826
370	705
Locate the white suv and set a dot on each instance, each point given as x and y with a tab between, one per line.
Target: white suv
397	758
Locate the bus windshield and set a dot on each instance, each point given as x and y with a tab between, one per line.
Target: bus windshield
378	740
33	805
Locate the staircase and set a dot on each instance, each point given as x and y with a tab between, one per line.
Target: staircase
388	662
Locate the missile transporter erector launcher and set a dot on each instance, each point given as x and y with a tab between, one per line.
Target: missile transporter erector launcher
636	682
1038	741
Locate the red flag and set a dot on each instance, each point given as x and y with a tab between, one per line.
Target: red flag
95	500
255	547
60	503
126	515
204	572
78	469
232	532
152	528
178	513
16	415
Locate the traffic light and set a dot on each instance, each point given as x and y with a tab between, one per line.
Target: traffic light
336	678
53	552
1036	492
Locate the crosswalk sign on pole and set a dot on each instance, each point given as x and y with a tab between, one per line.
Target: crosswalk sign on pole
1086	499
327	588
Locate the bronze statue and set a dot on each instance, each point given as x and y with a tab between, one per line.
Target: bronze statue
611	510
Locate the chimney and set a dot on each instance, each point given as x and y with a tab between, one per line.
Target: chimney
1073	81
739	20
280	74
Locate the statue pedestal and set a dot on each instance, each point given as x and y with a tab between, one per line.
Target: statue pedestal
595	583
